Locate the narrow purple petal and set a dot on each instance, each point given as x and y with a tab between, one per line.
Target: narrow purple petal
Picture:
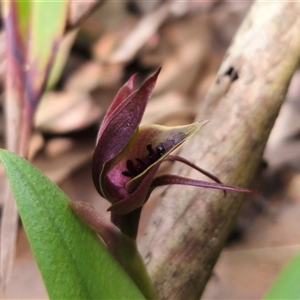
174	179
185	161
122	94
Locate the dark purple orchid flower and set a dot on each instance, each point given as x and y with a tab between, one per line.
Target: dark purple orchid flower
127	156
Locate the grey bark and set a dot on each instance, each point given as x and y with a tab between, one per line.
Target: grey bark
190	225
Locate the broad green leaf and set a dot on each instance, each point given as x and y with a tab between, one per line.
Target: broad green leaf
287	284
73	262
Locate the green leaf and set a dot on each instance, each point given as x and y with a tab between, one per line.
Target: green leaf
48	21
73	262
61	58
287	284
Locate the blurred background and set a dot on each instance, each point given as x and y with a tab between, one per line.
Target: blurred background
188	39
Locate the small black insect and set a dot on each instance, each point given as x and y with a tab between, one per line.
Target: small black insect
132	170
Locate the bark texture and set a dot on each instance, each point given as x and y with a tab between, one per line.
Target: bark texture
190	225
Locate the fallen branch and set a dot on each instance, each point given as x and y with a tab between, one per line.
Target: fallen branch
190	226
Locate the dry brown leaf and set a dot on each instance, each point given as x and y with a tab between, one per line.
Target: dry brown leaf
26	280
92	75
258	266
57	146
146	27
36	144
291	179
183	51
60	112
108	43
117	23
178	111
59	167
288	123
79	10
283	145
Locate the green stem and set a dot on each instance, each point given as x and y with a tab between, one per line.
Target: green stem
126	252
128	223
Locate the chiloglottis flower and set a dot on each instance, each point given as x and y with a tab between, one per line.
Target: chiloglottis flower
127	155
